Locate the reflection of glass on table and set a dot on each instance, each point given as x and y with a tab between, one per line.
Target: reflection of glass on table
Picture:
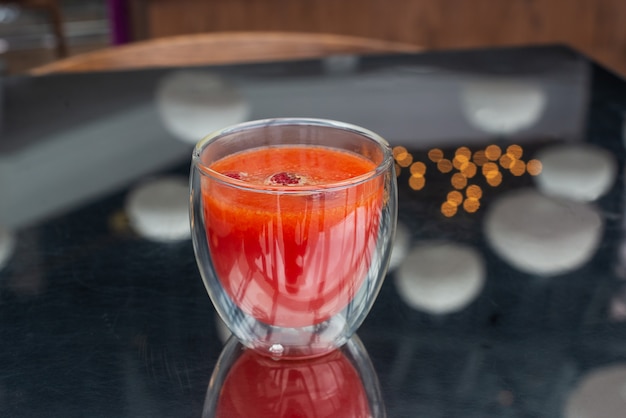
340	384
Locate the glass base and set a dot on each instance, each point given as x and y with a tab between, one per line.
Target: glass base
292	343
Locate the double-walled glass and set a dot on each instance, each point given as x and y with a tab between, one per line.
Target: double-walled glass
292	224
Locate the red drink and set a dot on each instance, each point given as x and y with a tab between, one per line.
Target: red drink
289	252
325	387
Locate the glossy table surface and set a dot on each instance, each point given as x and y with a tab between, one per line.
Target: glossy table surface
98	320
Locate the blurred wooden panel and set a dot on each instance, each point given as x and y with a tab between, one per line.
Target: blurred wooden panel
220	48
597	28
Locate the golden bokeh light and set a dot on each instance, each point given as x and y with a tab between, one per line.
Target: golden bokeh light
468	169
474	192
401	156
507	160
435	155
444	165
490	170
448	209
418	169
518	168
480	158
515	151
119	222
491	160
455	198
463	152
495	180
534	167
404	159
458	180
471	205
399	150
417	183
459	160
493	152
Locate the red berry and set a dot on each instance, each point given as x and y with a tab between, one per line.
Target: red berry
285	179
234	175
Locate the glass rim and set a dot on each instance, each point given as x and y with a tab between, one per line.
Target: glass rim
382	167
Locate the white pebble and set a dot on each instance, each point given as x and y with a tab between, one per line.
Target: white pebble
543	235
7	245
580	172
601	393
502	106
193	104
222	330
440	277
401	245
159	209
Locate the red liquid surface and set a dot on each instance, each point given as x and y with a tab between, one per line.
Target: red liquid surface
326	387
292	259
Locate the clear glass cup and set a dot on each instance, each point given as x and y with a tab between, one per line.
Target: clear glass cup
342	383
292	224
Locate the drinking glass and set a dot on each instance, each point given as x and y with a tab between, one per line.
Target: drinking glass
292	223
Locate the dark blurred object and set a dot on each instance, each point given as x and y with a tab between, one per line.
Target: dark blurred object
220	48
53	9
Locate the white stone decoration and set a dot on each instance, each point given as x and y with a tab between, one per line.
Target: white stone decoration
340	64
7	246
543	235
193	104
223	332
582	172
401	244
158	209
502	106
440	277
599	394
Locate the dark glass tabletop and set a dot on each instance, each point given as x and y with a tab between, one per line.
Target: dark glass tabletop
507	292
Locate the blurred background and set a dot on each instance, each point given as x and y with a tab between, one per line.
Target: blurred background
36	32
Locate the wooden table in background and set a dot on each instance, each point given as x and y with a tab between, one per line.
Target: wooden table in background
596	28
